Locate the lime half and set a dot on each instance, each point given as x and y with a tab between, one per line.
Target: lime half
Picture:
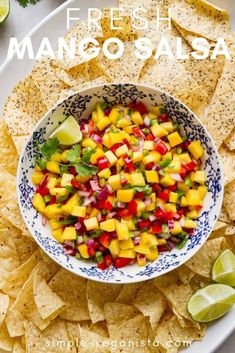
68	133
224	268
211	302
4	10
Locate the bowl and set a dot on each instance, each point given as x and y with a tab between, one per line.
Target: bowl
80	105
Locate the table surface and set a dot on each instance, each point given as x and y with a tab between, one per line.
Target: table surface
19	23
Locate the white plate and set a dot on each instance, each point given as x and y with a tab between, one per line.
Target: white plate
12	71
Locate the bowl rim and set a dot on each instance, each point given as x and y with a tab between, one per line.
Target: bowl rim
155	274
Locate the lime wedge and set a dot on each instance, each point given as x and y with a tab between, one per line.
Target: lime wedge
4	10
211	302
224	268
68	133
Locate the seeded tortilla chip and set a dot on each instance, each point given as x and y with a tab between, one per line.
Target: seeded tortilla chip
97	295
202	262
227	158
201	18
4	304
230	230
116	314
220	119
133	330
128	291
55	335
15	322
20	142
127	68
150	301
74	76
188	333
47	302
230	140
24	108
74	296
8	156
6	342
229	197
190	36
91	342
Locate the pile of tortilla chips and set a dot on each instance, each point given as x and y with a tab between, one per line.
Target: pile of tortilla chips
44	308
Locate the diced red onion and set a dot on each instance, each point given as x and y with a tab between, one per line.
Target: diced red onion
82	126
80	239
165	235
142	257
127	116
171	224
103	194
43	183
146	120
158	168
121	205
85	128
99	216
136	241
152	218
97	138
155	167
160	172
109	188
94	185
71	252
83	193
68	244
171	244
88	201
176	177
126	142
161	206
77	226
147	202
111	215
177	216
90	242
135	148
44	221
182	221
183	163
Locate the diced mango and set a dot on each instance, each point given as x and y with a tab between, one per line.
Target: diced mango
170	207
54	224
148	145
103	123
193	198
157	110
123	122
91	223
122	231
38	203
137	156
174	167
151	207
136	179
140	207
83	250
174	139
152	176
52	211
190	224
142	249
173	197
94	212
202	190
94	116
177	228
64	156
53	167
82	178
105	173
184	157
158	131
100	112
115	181
88	142
125	195
129	254
121	151
58	234
168	126
200	176
113	116
167	180
153	255
152	157
183	202
106	141
97	154
183	187
137	118
66	179
161	241
59	191
68	207
111	157
37	178
69	233
56	157
148	239
115	137
114	247
192	214
108	226
141	260
126	244
196	149
79	211
129	129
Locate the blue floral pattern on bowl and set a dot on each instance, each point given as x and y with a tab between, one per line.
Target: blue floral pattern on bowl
81	105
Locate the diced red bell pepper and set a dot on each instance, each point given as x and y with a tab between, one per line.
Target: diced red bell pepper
121	262
163	117
127	143
182	211
198	207
131	105
163	215
102	163
190	167
129	167
108	260
132	207
124	181
156	188
149	137
144	224
102	266
172	188
91	251
104	204
156	228
53	200
72	170
141	108
91	126
136	131
107	111
75	184
161	147
186	144
164	195
162	248
42	191
124	213
105	239
140	195
116	146
183	172
149	165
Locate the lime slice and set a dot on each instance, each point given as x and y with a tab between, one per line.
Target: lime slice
68	133
224	268
211	302
4	10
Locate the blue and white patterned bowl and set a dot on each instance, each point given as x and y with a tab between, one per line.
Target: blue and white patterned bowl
81	105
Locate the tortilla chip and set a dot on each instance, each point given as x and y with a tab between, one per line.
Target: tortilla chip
230	140
73	329
201	263
188	333
150	301
20	142
128	291
74	76
55	335
74	296
185	274
229	197
16	279
230	230
201	18
25	247
190	36
24	108
95	70
223	216
220	118
15	322
166	280
48	303
8	156
132	331
163	335
126	31
100	328
4	304
116	314
6	342
91	342
125	69
17	348
219	225
97	295
227	158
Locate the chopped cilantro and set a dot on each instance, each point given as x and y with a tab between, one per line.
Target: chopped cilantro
85	169
42	163
62	198
70	189
50	147
74	154
69	220
25	3
87	154
147	189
